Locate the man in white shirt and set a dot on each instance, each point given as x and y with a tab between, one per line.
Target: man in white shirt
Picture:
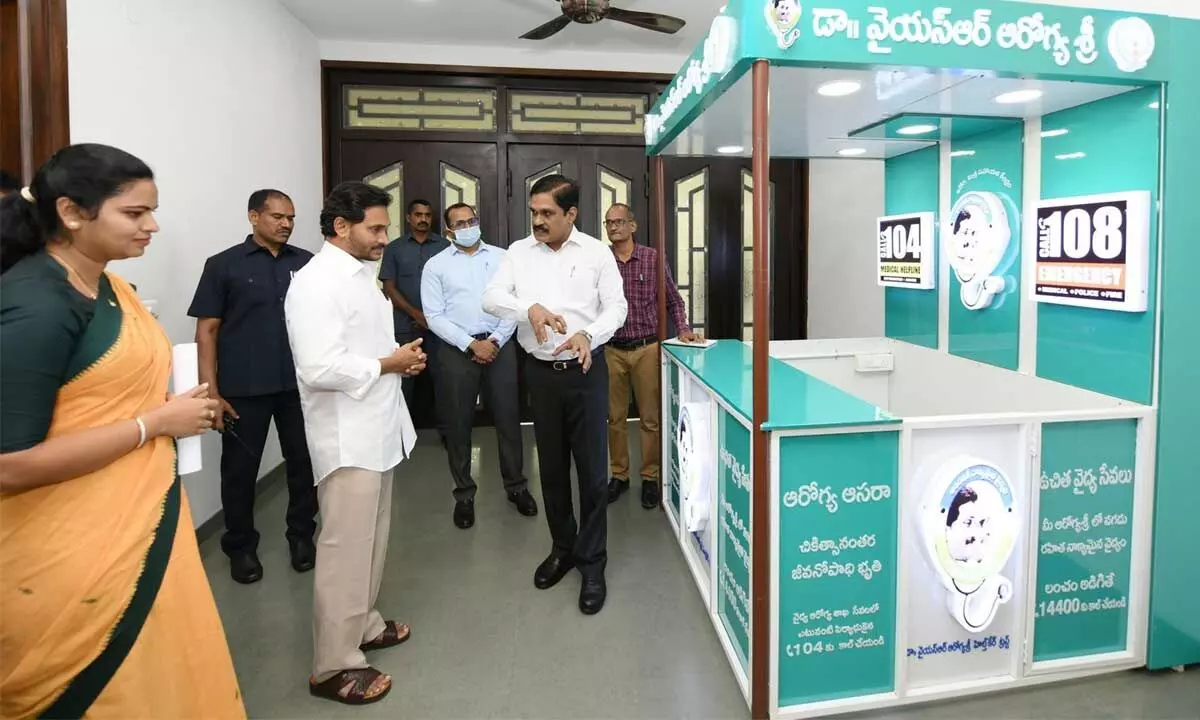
563	289
358	428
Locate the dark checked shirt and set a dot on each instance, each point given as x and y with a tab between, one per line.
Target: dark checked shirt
640	276
244	288
403	262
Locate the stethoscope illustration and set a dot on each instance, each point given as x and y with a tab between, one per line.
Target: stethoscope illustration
968	524
980	235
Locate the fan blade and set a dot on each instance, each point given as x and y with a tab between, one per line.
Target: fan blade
545	30
650	21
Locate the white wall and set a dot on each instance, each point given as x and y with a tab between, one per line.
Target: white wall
525	55
844	199
220	97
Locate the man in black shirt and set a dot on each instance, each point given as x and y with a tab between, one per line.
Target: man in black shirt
246	360
403	262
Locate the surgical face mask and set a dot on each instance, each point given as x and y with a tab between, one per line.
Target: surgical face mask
467	237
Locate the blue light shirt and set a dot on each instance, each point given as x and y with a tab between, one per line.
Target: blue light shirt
452	296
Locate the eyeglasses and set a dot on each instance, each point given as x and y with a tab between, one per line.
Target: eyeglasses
616	223
464	224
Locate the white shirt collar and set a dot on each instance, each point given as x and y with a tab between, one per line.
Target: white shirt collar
343	260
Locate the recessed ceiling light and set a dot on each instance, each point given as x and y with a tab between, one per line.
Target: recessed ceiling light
839	88
1019	96
962	153
731	149
916	129
1154	105
1071	156
852	152
1057	132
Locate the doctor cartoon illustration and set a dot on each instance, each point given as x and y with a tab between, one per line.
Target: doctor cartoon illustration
979	240
969	525
783	17
695	466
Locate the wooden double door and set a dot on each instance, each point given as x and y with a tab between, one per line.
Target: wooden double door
709	238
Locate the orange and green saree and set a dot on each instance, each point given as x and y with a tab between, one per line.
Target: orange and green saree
105	610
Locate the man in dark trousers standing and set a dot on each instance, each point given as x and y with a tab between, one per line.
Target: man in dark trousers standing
477	358
400	271
563	289
247	363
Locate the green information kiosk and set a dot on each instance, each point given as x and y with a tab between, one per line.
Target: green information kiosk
999	492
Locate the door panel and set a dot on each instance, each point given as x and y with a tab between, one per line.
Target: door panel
605	175
440	173
710	244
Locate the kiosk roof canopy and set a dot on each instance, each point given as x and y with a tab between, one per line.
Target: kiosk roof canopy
874	113
908	60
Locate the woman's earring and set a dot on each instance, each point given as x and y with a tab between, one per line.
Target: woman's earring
72	226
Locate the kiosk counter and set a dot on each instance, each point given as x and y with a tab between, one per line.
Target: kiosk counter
998	492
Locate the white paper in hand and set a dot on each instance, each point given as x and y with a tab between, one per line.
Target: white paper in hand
185	375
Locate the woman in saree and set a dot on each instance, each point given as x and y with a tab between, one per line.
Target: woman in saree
105	610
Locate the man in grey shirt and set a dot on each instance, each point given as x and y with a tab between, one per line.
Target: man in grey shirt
403	262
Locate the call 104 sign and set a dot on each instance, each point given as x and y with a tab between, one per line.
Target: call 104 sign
1093	251
906	251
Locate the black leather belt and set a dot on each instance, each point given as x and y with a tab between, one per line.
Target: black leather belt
632	344
561	365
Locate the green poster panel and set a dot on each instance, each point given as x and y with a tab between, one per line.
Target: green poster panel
673	429
733	586
982	240
837	566
911	186
1085	528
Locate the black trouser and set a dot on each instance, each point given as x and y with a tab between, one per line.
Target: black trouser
460	381
419	392
570	419
241	456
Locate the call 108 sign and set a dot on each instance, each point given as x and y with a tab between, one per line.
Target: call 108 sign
1093	251
906	257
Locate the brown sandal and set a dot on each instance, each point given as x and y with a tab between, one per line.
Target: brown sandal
393	634
350	687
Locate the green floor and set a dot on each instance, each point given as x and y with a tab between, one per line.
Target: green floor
487	644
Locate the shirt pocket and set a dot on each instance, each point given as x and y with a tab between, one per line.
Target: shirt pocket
581	285
255	289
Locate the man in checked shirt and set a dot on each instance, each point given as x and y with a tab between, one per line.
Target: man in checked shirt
632	356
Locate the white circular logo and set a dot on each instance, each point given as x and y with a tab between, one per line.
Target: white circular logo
1131	43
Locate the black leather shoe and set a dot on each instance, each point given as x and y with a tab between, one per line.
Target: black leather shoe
552	569
464	514
651	493
304	555
524	502
616	488
592	594
245	568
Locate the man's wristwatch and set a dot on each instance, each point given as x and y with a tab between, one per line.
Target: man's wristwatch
587	336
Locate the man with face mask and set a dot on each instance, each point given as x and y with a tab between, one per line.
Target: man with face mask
349	367
563	289
476	358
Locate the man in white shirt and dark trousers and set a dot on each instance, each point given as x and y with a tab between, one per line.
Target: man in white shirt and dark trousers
349	368
564	290
477	357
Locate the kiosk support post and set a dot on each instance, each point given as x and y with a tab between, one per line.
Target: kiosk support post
658	202
760	497
659	208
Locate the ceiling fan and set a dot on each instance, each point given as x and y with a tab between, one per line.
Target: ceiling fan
593	11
